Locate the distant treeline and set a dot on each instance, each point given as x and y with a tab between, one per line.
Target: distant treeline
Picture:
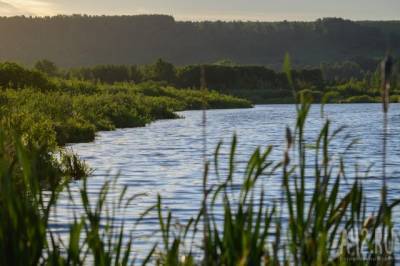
73	41
259	84
347	81
218	77
256	83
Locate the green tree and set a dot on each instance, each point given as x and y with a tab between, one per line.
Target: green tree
46	66
15	76
162	71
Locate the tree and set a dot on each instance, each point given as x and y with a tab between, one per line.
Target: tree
162	71
15	76
46	66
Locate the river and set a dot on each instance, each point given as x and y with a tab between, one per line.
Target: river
166	157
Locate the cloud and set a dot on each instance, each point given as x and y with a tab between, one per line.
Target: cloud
7	9
25	7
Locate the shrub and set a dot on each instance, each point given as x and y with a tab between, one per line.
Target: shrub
395	98
14	76
74	130
361	99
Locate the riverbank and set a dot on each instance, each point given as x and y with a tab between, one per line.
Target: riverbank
331	95
47	113
77	110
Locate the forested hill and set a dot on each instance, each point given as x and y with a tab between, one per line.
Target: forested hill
85	40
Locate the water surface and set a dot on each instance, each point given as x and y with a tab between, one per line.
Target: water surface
166	157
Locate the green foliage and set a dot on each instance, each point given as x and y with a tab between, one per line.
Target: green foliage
48	67
14	76
73	41
225	62
395	99
362	99
230	78
70	111
315	96
74	130
331	97
26	206
23	212
161	71
256	83
73	166
107	73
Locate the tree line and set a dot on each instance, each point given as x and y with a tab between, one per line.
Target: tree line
77	40
341	81
218	77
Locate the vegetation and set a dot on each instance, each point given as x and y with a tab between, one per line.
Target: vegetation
347	82
75	110
256	83
51	112
73	41
339	81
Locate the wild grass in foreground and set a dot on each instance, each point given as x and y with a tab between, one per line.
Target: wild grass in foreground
305	226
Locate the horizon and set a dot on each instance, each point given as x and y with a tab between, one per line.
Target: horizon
205	20
224	10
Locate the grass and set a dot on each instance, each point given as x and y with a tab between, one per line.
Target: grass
75	111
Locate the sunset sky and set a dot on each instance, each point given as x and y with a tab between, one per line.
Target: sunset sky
270	10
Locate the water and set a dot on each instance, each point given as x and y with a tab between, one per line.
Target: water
166	157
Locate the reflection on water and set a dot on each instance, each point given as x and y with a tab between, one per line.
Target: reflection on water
166	157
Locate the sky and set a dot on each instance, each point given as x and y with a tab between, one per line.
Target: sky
262	10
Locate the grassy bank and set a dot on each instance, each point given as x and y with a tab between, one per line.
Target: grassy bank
76	110
50	112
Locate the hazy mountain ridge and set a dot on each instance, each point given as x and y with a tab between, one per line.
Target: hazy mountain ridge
90	40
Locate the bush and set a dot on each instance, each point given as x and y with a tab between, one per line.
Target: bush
14	76
362	99
74	130
395	98
331	97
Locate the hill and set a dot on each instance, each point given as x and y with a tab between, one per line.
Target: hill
90	40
